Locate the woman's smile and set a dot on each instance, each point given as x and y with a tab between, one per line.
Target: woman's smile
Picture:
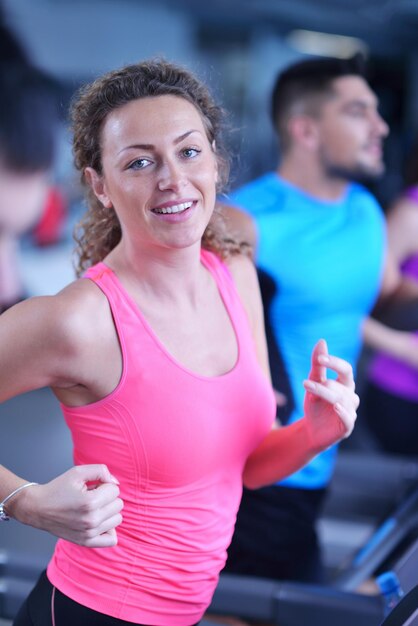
175	208
175	213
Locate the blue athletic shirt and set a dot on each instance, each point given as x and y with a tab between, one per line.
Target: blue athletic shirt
326	260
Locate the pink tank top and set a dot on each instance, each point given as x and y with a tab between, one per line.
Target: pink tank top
177	442
387	372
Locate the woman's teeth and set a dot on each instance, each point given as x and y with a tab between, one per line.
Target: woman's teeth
176	208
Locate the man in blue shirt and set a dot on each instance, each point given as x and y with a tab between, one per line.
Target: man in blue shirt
320	252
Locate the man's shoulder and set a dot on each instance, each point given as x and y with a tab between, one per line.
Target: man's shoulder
259	195
358	190
363	200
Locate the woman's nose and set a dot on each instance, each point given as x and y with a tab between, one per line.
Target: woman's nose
171	176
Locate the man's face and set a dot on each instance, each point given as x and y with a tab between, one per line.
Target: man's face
351	131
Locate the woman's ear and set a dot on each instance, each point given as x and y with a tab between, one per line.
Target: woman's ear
98	186
216	162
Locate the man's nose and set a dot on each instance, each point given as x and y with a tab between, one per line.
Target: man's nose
381	126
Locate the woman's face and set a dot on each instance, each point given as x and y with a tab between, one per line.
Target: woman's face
159	171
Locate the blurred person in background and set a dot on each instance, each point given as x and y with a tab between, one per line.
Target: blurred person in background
158	357
28	124
28	128
319	242
390	406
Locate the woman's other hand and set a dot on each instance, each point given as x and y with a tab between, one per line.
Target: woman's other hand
82	505
330	405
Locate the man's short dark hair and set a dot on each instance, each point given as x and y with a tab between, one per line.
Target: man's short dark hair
28	107
309	82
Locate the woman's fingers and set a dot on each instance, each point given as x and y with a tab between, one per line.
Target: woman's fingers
321	360
342	368
96	520
100	496
105	540
318	369
108	527
323	391
330	405
82	505
343	400
92	475
99	514
333	392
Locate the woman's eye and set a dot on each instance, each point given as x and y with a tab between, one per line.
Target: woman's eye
189	153
138	164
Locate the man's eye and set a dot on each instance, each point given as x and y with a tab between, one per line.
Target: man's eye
357	111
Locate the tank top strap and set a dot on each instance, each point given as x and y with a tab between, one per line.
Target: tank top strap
222	275
229	293
125	310
95	272
107	281
211	261
121	306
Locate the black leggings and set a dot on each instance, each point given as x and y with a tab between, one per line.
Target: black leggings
46	606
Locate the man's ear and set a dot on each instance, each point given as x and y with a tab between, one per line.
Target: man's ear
97	183
304	130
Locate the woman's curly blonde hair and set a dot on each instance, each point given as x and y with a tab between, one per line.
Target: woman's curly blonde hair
99	230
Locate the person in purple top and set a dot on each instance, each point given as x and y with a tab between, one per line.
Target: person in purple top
391	392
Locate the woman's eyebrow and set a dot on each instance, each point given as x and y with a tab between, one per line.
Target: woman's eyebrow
150	146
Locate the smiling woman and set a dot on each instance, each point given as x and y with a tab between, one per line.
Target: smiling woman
98	235
158	358
159	172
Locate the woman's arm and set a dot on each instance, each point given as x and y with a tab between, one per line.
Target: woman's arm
402	224
29	349
390	334
400	344
330	405
42	344
398	297
330	413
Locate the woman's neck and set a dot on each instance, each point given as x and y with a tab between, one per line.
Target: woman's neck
159	273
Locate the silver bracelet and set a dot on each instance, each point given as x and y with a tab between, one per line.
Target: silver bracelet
3	515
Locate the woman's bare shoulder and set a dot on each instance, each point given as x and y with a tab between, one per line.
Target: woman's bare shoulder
45	340
81	298
62	320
